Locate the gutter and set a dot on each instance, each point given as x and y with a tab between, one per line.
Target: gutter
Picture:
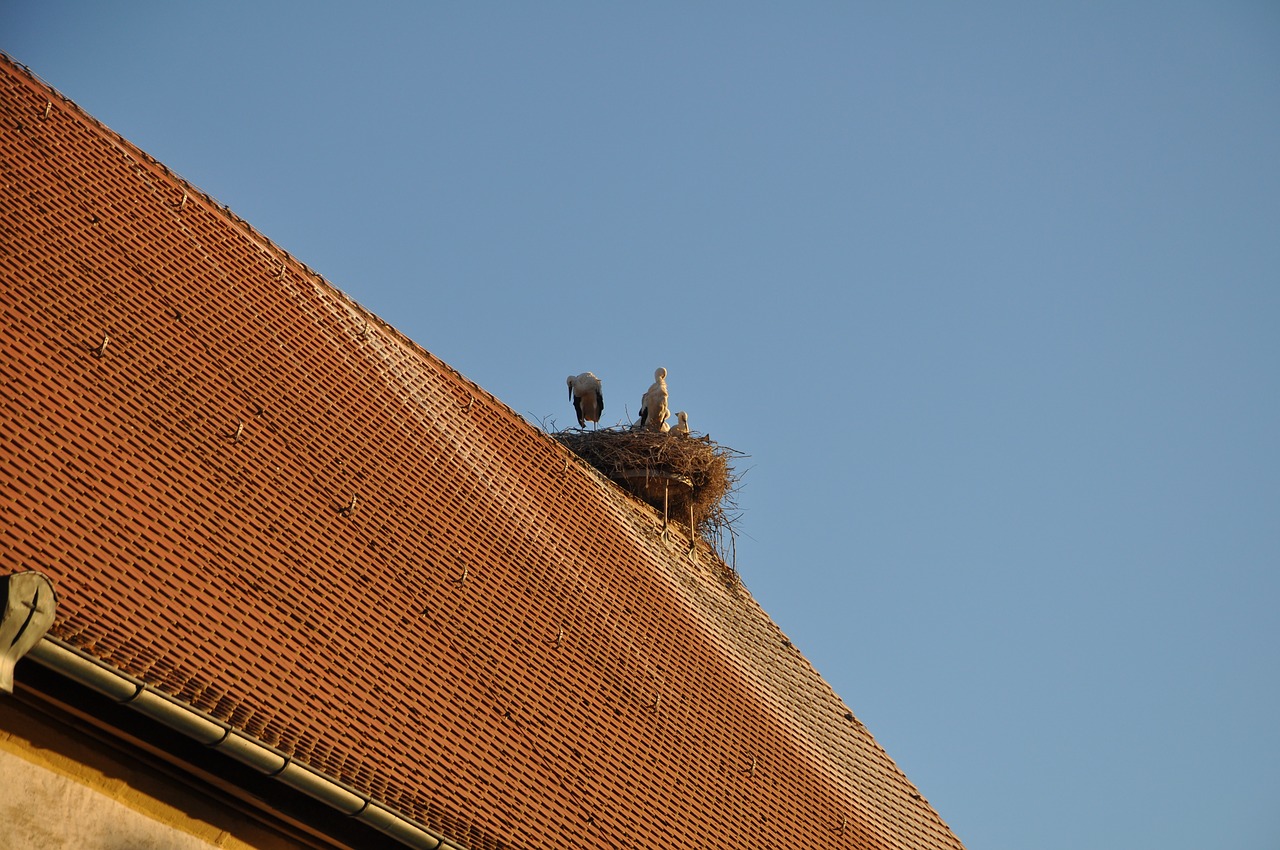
195	724
27	605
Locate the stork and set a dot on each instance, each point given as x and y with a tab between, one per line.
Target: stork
654	412
588	399
682	424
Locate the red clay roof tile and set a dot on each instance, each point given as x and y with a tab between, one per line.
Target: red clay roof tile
261	499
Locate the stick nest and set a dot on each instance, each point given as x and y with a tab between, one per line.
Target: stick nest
693	473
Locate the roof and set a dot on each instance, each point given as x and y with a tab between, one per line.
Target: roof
257	497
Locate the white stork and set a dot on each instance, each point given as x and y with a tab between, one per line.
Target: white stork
654	412
588	399
682	424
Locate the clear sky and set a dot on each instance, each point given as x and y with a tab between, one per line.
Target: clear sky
988	292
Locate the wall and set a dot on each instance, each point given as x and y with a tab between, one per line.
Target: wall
61	789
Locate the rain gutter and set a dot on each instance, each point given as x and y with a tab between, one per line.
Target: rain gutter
204	729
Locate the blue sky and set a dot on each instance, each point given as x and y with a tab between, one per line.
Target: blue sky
988	292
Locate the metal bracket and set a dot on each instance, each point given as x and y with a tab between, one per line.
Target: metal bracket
27	606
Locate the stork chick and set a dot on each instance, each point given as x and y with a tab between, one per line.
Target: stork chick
682	424
588	398
654	412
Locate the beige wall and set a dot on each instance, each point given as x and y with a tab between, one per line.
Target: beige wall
63	790
44	809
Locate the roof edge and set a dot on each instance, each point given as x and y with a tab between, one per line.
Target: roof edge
195	724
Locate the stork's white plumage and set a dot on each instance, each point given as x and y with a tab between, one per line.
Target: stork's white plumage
588	397
682	424
654	412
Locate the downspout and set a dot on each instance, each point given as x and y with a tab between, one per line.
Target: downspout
121	688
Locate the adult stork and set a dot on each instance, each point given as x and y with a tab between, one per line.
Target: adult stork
588	399
682	424
654	412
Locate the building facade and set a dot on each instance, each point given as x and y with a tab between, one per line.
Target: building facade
314	588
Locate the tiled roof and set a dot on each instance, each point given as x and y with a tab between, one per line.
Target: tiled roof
256	496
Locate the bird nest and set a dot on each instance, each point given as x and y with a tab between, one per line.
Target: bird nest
690	478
